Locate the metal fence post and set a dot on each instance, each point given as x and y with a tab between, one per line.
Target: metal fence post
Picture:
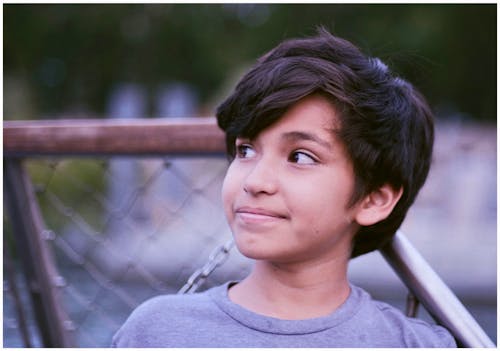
433	293
39	268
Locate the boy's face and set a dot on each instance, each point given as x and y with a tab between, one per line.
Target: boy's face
286	193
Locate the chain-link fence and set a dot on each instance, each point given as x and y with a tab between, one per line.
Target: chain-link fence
113	229
125	229
118	230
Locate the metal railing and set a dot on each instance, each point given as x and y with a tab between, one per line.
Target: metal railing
183	136
425	284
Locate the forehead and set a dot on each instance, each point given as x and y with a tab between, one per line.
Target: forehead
311	115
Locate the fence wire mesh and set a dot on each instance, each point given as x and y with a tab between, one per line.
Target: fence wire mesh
123	230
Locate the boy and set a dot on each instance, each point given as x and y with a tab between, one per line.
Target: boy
328	151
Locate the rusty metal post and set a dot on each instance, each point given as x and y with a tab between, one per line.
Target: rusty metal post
9	271
43	281
411	305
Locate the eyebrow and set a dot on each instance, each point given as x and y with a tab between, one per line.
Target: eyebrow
300	135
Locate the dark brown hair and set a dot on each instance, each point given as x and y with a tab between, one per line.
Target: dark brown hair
386	125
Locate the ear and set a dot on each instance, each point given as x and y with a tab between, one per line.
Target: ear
378	205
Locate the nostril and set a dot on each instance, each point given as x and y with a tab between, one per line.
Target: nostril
254	186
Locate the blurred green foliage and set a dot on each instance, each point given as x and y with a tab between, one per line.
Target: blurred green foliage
62	185
60	58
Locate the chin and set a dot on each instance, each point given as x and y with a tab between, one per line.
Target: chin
263	253
249	251
252	249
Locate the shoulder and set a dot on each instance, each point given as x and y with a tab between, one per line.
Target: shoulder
154	317
154	309
415	332
395	327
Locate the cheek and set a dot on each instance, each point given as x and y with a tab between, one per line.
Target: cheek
321	203
229	190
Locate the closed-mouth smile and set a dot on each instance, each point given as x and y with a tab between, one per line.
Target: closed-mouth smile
250	214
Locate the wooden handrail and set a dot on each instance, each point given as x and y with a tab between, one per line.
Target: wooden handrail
199	135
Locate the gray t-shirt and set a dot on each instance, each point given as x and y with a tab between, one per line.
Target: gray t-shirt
210	319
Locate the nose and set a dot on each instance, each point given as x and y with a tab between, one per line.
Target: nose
262	178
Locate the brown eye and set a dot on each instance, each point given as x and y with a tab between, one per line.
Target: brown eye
245	151
301	158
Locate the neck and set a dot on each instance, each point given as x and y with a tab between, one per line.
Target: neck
294	291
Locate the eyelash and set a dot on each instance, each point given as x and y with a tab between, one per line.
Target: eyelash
295	153
242	149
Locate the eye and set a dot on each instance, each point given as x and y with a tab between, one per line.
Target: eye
245	151
302	158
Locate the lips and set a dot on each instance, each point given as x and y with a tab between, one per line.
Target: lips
258	214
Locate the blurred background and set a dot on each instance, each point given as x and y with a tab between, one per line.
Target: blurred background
181	60
68	59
